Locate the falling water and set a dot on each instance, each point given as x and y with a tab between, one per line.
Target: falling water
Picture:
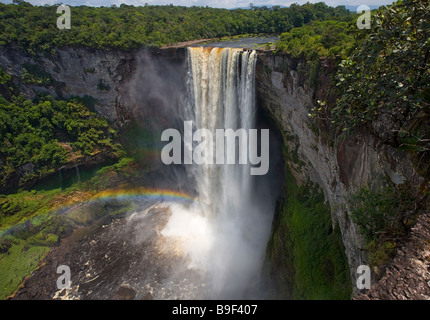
209	248
61	177
78	175
224	233
223	96
222	93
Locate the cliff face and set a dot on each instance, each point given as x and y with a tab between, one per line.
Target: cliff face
100	74
340	168
119	85
108	76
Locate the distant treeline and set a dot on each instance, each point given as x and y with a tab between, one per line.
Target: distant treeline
34	28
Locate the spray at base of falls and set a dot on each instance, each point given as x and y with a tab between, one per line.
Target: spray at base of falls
225	233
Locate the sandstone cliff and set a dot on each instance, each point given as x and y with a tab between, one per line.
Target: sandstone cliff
340	167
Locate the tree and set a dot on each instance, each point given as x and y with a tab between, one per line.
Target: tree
31	26
385	84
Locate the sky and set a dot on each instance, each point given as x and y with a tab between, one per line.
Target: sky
210	3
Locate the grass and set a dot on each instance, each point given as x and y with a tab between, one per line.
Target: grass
23	205
305	253
29	232
18	263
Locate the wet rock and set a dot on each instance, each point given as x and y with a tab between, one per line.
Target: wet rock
148	296
125	292
140	272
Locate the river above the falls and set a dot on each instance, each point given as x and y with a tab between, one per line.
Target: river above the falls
255	42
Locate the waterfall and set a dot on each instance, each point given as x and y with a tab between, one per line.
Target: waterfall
223	97
78	175
224	233
61	177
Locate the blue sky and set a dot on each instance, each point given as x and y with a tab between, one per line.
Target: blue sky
211	3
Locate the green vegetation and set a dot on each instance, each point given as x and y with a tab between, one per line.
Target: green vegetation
36	138
385	82
31	73
25	204
376	211
18	263
384	216
33	221
319	40
27	231
6	86
383	79
326	39
34	28
4	77
24	245
305	254
41	143
16	208
384	87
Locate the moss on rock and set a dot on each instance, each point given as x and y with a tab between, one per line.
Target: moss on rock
305	255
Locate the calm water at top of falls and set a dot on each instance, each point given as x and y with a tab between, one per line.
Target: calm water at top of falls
248	42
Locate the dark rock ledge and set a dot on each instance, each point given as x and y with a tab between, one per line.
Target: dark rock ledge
408	277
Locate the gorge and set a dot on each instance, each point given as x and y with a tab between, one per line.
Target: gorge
307	170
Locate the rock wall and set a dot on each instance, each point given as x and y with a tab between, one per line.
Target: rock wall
339	167
100	74
120	85
108	76
408	276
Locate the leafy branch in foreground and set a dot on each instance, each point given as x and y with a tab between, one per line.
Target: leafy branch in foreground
385	83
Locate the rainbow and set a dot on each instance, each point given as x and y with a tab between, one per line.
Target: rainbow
163	195
156	194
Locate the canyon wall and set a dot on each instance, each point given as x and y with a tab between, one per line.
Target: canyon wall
121	86
100	74
108	76
339	167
